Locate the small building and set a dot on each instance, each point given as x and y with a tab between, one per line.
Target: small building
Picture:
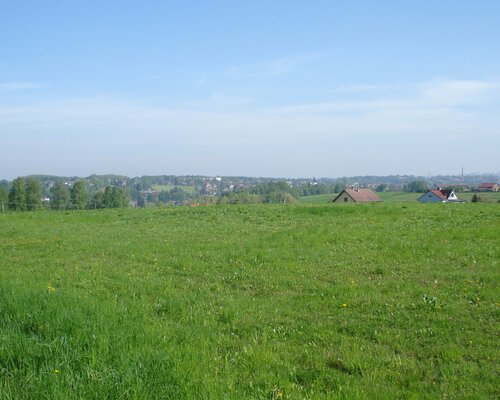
357	196
488	187
439	196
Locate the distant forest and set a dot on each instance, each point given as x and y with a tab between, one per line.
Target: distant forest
111	191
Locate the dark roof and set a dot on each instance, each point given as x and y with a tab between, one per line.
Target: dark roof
443	194
446	192
360	195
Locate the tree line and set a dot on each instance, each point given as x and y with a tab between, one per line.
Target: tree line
25	194
270	192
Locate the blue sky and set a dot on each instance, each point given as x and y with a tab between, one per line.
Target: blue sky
267	88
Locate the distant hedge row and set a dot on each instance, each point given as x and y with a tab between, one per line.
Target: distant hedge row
25	194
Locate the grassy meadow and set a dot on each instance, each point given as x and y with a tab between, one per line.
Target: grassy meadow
308	301
385	196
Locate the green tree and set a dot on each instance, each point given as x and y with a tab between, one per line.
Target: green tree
4	184
78	195
176	194
97	200
417	187
123	197
33	194
141	202
338	188
223	200
17	195
59	196
246	198
279	197
4	195
109	197
115	197
150	198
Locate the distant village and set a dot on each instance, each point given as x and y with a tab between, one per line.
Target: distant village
104	191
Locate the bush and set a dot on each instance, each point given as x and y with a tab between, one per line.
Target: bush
417	187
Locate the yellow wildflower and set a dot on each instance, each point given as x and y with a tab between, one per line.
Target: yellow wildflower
277	394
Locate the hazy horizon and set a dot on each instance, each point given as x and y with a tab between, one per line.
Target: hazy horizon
470	175
260	89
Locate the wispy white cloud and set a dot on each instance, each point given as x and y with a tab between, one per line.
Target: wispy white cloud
414	97
275	67
15	86
365	88
218	102
436	104
416	121
459	91
428	111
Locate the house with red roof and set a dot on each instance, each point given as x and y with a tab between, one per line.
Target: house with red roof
488	187
439	196
357	196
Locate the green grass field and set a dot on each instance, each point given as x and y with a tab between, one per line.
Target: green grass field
309	301
385	196
167	188
487	197
319	198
